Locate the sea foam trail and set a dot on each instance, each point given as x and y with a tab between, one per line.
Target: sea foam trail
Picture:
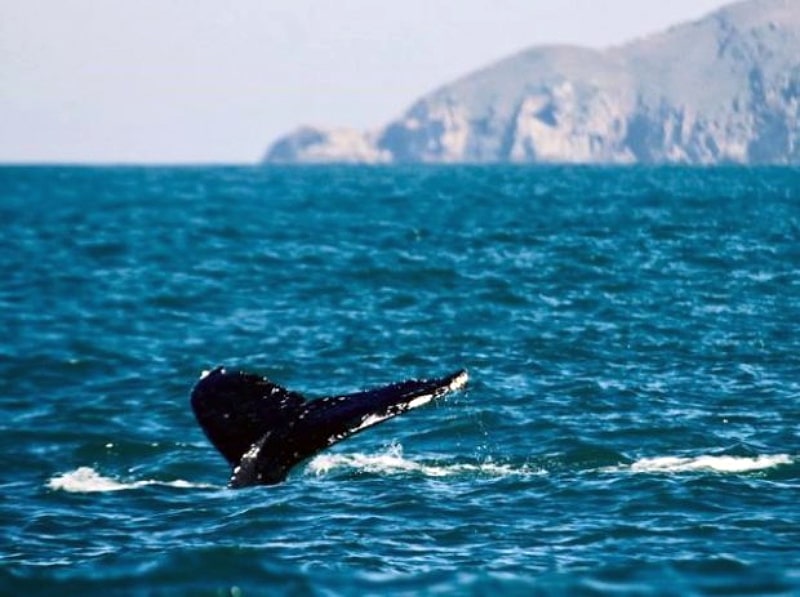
87	480
717	464
392	462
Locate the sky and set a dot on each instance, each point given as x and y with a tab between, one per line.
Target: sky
205	81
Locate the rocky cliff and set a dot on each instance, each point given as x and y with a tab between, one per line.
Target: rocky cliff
724	89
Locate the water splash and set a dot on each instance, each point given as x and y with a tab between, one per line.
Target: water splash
87	480
703	463
392	462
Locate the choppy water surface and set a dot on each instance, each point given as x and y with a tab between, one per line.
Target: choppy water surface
631	334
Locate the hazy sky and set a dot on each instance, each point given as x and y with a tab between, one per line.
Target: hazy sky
210	81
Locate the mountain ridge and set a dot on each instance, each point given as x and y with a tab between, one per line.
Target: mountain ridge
721	89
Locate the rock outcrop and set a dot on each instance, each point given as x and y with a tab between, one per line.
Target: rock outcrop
724	89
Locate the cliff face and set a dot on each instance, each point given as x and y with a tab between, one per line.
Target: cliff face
725	89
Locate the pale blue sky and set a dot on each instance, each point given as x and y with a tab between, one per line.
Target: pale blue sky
183	81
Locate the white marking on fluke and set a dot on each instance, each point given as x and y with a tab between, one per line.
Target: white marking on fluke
459	381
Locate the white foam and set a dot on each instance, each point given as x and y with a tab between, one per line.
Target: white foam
392	462
87	480
717	464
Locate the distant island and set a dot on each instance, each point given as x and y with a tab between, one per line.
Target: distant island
721	90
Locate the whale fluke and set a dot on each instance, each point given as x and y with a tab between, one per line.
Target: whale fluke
263	430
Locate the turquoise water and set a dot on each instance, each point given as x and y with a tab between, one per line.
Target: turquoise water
631	426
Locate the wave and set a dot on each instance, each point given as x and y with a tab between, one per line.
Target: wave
87	480
392	462
703	463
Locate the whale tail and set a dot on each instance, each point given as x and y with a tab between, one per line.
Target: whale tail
263	430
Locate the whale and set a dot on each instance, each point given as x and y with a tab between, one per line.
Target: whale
263	430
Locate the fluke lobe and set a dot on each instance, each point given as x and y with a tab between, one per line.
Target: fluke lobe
263	430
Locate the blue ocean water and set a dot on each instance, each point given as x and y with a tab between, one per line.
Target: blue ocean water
631	425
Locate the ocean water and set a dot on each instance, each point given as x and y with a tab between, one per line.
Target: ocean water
631	424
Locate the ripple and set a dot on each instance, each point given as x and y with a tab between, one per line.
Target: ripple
631	426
